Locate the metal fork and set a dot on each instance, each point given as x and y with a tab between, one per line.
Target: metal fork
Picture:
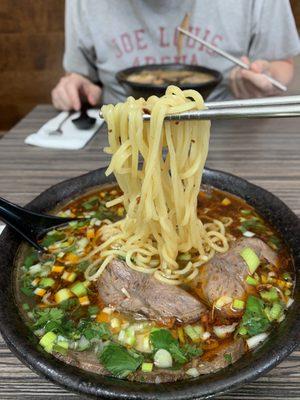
58	131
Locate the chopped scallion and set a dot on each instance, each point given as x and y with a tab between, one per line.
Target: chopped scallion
250	258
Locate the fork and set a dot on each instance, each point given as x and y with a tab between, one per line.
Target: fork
58	131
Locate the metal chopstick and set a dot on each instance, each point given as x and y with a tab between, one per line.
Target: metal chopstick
235	60
265	101
276	111
264	105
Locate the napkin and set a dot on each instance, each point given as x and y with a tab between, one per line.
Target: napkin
71	138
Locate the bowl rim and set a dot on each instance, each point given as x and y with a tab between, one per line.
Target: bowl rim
122	76
249	367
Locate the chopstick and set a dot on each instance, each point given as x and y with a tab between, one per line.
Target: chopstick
273	111
284	106
235	60
265	101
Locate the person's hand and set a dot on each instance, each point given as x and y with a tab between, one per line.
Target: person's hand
251	83
71	88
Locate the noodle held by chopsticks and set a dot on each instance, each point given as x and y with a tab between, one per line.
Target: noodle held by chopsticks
160	194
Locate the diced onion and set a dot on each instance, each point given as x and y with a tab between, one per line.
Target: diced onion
206	335
248	234
254	341
193	372
163	359
224	330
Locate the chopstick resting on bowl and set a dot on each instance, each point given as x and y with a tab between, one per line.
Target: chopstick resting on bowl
276	107
235	60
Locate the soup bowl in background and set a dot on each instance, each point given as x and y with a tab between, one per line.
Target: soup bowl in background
279	344
138	89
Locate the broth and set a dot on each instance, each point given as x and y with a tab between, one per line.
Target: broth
70	319
164	77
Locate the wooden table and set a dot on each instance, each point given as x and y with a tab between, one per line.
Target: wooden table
266	152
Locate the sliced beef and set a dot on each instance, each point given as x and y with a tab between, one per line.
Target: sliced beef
225	274
142	295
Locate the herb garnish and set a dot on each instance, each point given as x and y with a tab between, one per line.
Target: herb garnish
254	320
163	339
120	361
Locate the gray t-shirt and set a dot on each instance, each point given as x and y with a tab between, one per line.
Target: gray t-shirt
105	36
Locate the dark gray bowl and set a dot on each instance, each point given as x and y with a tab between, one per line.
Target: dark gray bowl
279	344
145	90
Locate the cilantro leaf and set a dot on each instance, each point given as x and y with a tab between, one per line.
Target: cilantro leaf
162	339
177	354
120	361
51	239
91	330
27	287
49	318
254	319
31	259
191	351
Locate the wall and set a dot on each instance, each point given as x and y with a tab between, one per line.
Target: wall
296	10
31	47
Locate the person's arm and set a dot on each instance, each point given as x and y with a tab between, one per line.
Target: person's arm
79	62
252	83
274	42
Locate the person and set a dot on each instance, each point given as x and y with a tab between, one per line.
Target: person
105	36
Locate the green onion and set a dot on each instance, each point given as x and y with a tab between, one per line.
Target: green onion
194	332
35	269
26	307
63	343
62	295
47	341
58	349
251	281
250	258
246	212
73	224
129	336
147	367
276	311
238	304
269	295
83	344
78	289
46	282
